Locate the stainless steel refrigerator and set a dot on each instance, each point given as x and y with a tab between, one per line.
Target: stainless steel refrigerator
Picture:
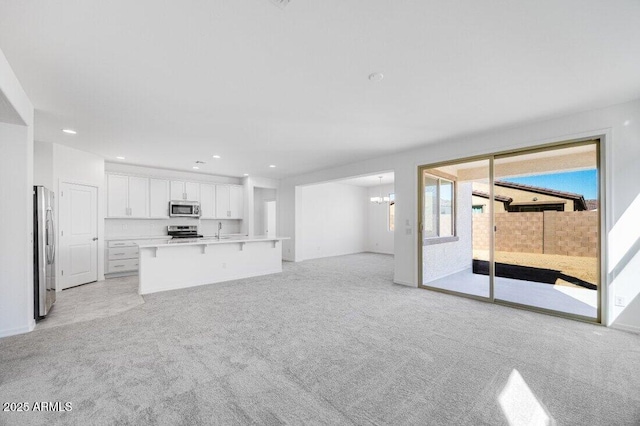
44	251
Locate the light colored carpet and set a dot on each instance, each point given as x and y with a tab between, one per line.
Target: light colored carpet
328	341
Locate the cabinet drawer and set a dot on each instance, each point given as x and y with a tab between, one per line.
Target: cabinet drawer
123	243
122	265
116	253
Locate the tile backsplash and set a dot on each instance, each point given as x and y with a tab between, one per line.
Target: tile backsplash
125	228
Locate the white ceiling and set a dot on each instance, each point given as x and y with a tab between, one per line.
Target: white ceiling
168	83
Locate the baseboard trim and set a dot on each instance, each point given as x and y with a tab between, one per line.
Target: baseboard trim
406	283
18	330
623	327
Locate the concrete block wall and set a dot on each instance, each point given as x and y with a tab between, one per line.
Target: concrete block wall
571	233
550	232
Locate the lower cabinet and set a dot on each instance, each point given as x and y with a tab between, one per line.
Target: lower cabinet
122	256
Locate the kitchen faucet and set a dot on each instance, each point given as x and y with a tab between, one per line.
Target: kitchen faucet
219	229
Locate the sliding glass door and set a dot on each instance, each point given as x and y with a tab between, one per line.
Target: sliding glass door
456	228
546	235
519	228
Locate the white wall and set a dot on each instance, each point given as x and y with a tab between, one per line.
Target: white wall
43	164
131	228
260	196
379	239
16	205
622	143
332	220
168	173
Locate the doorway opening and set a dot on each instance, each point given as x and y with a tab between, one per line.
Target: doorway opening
264	211
518	228
346	216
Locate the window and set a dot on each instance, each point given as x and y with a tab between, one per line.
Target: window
478	209
558	207
439	207
392	212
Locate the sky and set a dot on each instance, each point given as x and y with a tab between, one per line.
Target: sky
581	182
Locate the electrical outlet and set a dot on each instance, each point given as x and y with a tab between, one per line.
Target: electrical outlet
620	301
407	231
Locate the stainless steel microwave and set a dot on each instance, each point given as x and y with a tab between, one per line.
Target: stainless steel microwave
179	208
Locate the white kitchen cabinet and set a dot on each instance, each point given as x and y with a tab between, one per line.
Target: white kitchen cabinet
138	196
229	202
181	190
222	201
159	198
207	201
121	257
192	190
177	190
127	196
144	197
236	202
117	196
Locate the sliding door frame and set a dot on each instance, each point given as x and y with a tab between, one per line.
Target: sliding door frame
602	182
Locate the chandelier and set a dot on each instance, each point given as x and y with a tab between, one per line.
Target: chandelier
380	199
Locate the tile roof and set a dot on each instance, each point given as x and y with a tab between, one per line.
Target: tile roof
497	196
581	204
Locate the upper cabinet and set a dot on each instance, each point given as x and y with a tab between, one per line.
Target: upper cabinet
229	201
207	201
159	193
143	197
236	201
177	190
222	201
117	196
181	190
127	196
138	196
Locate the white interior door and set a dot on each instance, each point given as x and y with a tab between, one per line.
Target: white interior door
78	234
270	218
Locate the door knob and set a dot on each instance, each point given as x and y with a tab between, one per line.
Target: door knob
95	238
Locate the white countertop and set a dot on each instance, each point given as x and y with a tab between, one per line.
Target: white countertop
158	237
144	237
167	242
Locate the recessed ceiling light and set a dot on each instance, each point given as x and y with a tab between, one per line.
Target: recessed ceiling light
273	166
120	157
246	174
196	167
376	76
216	156
626	122
69	131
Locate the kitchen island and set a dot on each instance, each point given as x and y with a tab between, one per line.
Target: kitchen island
170	264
